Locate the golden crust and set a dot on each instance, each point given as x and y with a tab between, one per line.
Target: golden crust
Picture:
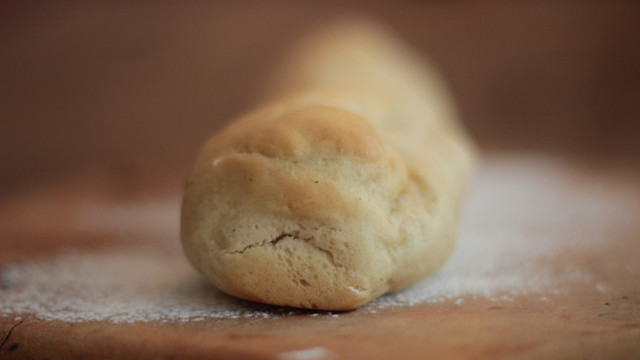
310	129
336	193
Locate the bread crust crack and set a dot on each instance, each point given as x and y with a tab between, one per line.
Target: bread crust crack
344	184
282	236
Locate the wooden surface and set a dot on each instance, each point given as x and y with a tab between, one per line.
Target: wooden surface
580	322
579	326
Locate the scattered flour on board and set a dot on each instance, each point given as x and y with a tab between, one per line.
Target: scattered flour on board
521	212
313	353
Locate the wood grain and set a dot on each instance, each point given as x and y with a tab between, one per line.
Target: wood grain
580	322
580	325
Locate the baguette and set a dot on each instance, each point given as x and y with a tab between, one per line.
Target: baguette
343	185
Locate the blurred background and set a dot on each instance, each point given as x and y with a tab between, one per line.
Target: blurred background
105	104
136	87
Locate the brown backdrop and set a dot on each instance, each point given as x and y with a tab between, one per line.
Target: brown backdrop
141	84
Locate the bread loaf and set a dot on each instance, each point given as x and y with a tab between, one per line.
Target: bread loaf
343	185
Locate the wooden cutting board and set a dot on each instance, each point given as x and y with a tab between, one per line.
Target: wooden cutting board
579	322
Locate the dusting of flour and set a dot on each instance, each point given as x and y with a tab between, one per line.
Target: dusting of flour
521	212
